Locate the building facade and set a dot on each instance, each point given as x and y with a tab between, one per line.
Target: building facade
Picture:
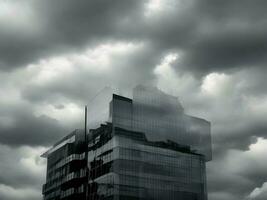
148	149
66	168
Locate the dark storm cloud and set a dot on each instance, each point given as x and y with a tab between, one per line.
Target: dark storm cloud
242	137
67	26
212	35
24	128
228	51
247	10
227	35
229	183
209	35
62	26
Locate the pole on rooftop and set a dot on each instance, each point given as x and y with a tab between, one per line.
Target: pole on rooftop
86	153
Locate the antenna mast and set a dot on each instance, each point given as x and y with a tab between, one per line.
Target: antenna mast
86	152
85	123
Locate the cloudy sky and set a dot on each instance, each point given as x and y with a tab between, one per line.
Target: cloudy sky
56	55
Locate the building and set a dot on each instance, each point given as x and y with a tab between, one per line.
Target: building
66	168
148	149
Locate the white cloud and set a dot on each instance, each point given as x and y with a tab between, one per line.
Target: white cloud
32	161
217	85
259	193
254	158
170	81
158	8
154	6
70	113
93	61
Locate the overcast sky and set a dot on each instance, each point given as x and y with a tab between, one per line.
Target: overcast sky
56	55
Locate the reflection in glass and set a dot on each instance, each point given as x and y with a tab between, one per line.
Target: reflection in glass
148	150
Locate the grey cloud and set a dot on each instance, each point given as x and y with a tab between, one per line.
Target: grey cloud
212	35
227	35
22	171
27	129
16	174
63	26
243	136
235	125
228	51
59	106
245	10
9	193
259	193
209	35
236	173
124	72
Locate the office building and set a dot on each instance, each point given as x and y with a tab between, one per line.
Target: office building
148	149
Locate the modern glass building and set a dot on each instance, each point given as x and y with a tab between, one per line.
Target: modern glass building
66	168
148	149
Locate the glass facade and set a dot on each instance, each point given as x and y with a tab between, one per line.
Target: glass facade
66	168
161	117
133	168
158	115
149	149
